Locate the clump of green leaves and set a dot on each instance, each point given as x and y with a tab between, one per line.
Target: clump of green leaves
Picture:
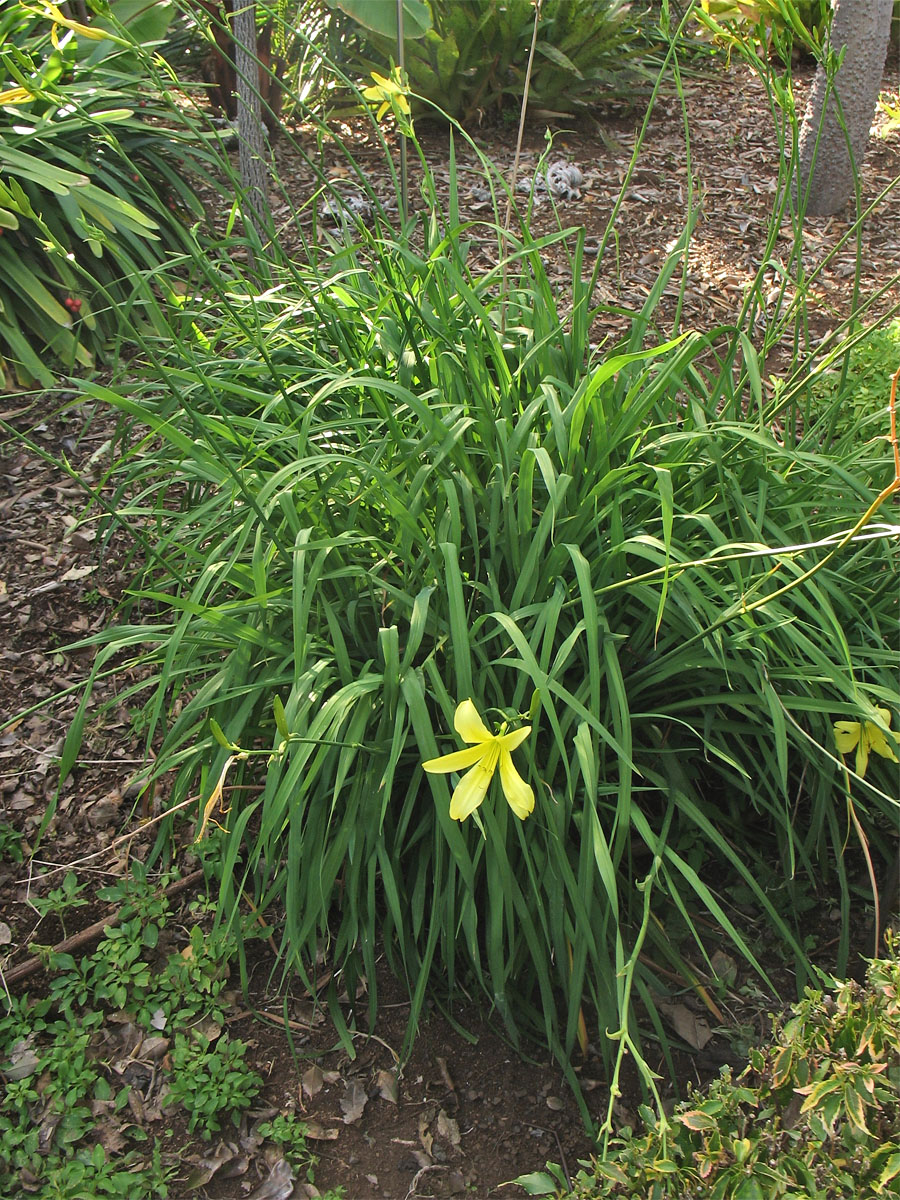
289	1134
471	62
849	394
94	186
209	1079
11	843
815	1113
805	21
382	489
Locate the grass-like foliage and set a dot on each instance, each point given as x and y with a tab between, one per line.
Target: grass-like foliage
391	483
94	157
816	1113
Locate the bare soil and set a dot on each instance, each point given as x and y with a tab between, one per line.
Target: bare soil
468	1113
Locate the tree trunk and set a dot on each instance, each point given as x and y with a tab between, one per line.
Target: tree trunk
251	135
829	157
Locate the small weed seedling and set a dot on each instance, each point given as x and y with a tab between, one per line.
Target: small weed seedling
61	899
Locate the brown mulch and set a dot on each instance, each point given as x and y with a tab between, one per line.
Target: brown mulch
466	1114
731	183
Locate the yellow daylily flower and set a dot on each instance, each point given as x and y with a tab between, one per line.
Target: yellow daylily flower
389	93
52	12
16	95
486	752
864	736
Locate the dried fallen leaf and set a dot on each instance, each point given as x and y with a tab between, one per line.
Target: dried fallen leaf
77	573
425	1136
208	1029
387	1086
208	1165
695	1031
5	934
312	1081
724	966
318	1133
154	1047
279	1185
22	1060
354	1101
554	1104
447	1128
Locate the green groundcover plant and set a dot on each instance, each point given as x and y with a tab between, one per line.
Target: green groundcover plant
395	503
57	1081
66	1128
849	394
815	1114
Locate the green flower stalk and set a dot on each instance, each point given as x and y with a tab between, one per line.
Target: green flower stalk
487	752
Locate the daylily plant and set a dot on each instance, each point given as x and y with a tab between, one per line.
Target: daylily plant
864	736
486	752
390	93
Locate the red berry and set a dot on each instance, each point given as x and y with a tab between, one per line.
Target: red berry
76	304
136	178
68	302
142	104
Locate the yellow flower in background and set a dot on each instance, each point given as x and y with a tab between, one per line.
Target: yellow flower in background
52	12
389	92
486	753
864	736
16	95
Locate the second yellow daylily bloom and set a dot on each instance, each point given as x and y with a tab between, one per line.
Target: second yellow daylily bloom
389	92
16	95
488	752
864	736
52	12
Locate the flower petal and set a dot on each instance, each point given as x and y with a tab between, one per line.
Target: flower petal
862	755
519	794
509	741
846	735
472	788
878	742
469	725
16	95
456	761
